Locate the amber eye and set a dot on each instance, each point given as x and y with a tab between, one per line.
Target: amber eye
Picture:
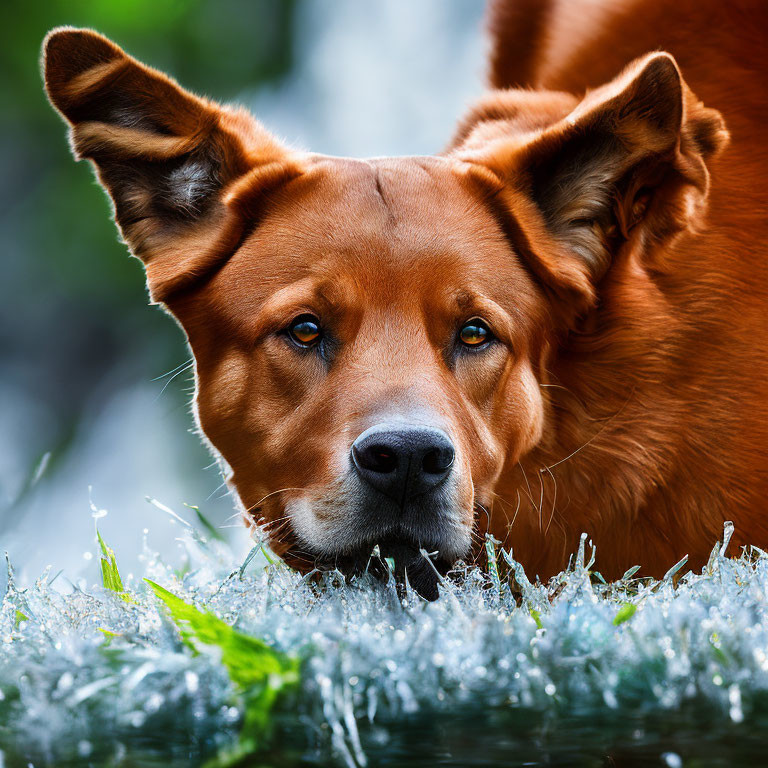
305	330
474	333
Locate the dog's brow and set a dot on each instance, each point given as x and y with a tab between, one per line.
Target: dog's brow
304	293
470	302
326	293
464	299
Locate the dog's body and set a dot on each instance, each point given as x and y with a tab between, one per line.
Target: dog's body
666	399
535	334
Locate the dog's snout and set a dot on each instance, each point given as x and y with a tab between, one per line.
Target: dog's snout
403	461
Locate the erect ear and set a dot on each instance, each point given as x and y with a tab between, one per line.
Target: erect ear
576	179
185	175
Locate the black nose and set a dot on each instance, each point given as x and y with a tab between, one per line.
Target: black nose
403	461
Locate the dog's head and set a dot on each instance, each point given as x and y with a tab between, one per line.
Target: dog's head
371	336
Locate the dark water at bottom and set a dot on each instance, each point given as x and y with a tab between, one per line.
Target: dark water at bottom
692	737
507	738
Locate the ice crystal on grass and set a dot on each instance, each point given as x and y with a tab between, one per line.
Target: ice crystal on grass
227	659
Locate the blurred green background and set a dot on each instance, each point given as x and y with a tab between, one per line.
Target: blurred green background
83	309
82	410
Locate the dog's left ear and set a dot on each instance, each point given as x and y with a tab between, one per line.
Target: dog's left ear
186	176
573	180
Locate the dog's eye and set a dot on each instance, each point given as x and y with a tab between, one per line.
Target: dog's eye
305	330
474	333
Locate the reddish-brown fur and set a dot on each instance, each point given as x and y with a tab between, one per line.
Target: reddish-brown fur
627	394
674	383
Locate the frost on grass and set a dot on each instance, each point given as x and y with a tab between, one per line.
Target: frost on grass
228	659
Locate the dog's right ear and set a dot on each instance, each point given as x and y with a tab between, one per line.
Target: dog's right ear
185	175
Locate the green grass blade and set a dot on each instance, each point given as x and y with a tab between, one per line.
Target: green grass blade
249	661
110	573
261	673
105	550
626	612
207	525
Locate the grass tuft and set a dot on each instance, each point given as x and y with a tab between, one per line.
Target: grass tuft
260	673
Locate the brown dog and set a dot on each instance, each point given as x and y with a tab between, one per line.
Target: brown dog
535	333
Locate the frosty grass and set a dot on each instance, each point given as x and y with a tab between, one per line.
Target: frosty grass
214	663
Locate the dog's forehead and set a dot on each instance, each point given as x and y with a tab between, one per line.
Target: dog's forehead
374	214
394	232
398	185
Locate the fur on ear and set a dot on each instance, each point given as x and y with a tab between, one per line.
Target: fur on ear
185	175
575	179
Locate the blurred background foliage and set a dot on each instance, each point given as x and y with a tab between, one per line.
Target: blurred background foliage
83	399
84	308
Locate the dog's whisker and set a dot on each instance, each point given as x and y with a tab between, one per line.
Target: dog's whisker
517	509
276	523
233	516
175	375
541	500
554	499
175	370
594	437
274	527
273	493
216	489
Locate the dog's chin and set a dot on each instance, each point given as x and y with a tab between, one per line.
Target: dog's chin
376	557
